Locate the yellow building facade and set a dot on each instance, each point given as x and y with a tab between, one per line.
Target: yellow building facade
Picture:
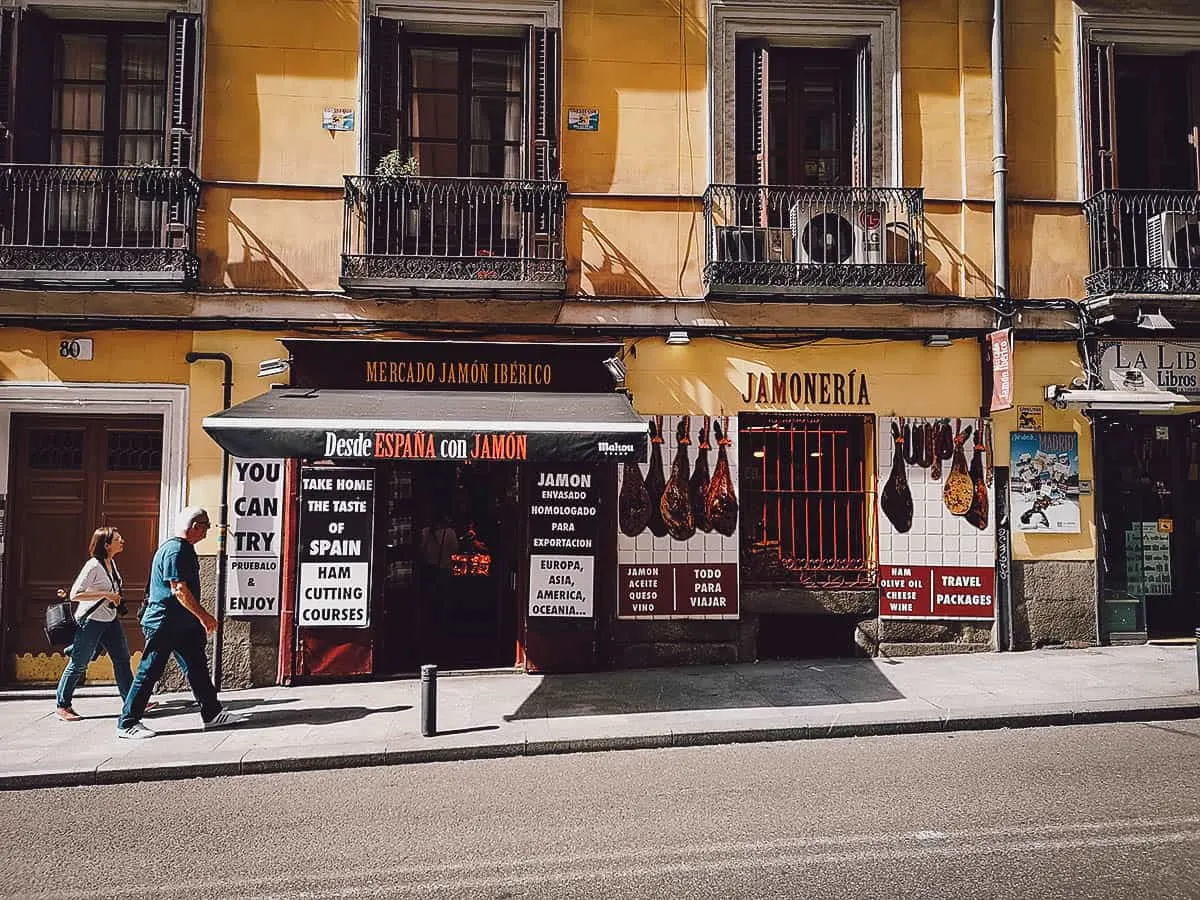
776	218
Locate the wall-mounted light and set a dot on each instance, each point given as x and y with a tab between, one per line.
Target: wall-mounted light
1154	321
760	453
938	340
269	367
678	337
616	368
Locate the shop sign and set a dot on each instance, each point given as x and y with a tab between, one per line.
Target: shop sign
1000	343
780	388
937	592
1142	365
337	527
1044	468
1030	418
452	365
253	542
562	542
678	538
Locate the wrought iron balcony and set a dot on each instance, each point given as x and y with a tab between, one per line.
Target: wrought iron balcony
98	226
813	240
1143	242
454	235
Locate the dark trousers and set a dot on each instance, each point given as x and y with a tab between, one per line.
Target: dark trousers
188	641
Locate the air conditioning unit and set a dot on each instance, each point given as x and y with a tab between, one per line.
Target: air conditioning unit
852	235
1173	241
741	243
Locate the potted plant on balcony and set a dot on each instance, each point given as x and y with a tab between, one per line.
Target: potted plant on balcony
154	182
396	170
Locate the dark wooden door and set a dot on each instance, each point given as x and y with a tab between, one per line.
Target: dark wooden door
68	476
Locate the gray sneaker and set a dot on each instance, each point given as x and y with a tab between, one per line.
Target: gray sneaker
224	719
136	732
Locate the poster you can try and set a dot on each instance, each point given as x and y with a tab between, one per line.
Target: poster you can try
677	540
1045	482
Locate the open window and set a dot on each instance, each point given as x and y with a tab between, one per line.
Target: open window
803	115
1142	163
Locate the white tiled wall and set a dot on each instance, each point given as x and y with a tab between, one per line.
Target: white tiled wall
937	538
710	547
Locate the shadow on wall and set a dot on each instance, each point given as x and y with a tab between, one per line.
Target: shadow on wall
948	270
615	275
252	265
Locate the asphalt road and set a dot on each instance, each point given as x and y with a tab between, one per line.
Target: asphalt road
1088	811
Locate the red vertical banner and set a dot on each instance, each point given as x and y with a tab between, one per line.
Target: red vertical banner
1000	344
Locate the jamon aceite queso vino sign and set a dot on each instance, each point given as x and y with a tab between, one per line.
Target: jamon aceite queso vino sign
677	541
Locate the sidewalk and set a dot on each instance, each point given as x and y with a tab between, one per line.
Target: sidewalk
493	715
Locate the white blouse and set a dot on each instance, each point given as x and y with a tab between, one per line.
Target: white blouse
94	577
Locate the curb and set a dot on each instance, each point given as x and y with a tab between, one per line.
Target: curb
1169	708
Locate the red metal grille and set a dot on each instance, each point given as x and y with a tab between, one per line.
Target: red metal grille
807	499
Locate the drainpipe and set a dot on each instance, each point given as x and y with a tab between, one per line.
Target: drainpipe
223	515
1004	637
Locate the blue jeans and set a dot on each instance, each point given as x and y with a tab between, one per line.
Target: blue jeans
185	638
111	637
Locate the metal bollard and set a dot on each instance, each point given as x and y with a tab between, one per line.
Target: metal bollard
428	701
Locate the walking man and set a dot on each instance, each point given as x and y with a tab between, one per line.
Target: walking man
175	622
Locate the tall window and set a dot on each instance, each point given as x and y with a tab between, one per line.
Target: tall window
1141	111
803	115
806	499
108	97
465	103
464	106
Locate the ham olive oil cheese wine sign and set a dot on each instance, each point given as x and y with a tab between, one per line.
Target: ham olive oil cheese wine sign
677	542
562	535
937	542
337	525
252	563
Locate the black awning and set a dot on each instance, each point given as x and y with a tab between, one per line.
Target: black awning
431	425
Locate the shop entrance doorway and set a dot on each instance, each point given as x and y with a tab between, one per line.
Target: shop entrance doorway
1149	471
449	537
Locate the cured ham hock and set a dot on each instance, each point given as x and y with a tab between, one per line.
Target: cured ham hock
676	503
896	499
721	505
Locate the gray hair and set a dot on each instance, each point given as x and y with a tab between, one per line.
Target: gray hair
186	516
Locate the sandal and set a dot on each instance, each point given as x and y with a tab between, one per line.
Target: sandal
67	714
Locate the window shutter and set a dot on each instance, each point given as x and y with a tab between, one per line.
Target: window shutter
1099	114
861	150
387	122
544	86
30	108
752	140
183	90
8	38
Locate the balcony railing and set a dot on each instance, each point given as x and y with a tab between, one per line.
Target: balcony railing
1143	242
454	234
813	240
98	226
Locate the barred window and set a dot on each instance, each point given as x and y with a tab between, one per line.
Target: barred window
807	499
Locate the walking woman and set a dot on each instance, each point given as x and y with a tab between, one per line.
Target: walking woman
97	590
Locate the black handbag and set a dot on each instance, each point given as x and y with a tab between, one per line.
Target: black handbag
61	626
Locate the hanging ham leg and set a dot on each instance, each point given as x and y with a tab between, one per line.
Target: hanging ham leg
977	515
655	482
676	504
959	490
721	502
633	504
896	499
698	486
